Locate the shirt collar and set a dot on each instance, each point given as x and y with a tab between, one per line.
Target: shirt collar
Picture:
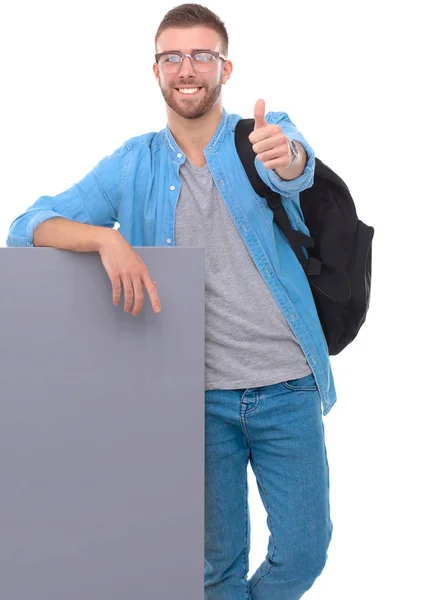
213	145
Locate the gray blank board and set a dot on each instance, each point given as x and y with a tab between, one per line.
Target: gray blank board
101	430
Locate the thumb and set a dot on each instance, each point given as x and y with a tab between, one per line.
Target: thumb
259	111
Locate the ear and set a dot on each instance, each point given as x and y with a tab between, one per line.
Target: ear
226	71
156	72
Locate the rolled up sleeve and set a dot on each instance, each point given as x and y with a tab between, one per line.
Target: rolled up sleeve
270	178
94	200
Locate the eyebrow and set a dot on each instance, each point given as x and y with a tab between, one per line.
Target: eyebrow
193	50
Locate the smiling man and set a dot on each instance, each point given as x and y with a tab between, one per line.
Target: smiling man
267	368
190	91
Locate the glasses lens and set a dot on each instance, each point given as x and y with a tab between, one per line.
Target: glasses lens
203	61
170	63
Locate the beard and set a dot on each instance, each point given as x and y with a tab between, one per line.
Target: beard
191	108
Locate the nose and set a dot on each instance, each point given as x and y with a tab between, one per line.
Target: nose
186	69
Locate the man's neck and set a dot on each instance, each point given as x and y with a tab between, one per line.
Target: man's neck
193	135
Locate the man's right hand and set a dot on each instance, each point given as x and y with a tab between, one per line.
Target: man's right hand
125	267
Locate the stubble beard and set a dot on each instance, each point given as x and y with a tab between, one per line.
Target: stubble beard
191	109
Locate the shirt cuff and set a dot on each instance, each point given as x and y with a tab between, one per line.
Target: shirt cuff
41	216
270	178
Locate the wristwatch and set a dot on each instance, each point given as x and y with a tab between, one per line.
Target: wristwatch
295	152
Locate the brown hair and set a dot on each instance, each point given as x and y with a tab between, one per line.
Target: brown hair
191	15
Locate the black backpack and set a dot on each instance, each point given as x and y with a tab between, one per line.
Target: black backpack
339	263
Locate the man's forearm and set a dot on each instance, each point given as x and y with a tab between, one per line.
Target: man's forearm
62	233
288	173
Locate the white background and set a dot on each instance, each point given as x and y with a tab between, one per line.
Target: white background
365	84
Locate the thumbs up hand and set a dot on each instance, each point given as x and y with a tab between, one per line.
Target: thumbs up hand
270	144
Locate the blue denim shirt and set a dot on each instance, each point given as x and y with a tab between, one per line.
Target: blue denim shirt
138	187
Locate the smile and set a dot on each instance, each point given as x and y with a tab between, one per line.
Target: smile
189	91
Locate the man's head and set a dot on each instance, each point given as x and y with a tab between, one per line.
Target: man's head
184	30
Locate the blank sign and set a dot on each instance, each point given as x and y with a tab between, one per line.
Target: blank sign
101	430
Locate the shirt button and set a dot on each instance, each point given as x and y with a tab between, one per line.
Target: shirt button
179	155
168	241
172	187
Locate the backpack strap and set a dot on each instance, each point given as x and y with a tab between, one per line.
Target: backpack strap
297	239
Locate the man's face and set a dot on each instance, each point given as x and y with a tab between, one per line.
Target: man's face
191	106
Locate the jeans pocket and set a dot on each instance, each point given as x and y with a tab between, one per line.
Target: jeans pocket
302	384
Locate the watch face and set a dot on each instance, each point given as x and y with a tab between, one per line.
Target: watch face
294	147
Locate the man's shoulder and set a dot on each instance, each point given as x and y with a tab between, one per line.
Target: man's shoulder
149	139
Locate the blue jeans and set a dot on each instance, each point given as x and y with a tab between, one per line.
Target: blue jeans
279	429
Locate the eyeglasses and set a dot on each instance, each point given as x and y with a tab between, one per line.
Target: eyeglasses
202	60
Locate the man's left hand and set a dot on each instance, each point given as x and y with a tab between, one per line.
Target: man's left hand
269	142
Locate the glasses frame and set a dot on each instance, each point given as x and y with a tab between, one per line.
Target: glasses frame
215	55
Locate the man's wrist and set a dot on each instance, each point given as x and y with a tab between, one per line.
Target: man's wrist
104	236
294	170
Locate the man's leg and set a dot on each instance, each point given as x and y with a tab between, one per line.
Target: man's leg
288	456
227	525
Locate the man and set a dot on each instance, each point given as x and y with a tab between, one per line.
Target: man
267	364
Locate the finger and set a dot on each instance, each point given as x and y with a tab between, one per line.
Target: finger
138	296
269	155
128	293
259	110
116	290
276	163
152	292
270	142
267	132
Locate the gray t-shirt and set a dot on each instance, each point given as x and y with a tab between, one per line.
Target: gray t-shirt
248	342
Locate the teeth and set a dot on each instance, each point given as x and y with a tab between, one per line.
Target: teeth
188	90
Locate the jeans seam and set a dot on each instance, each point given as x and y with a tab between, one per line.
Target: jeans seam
246	545
311	388
269	519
